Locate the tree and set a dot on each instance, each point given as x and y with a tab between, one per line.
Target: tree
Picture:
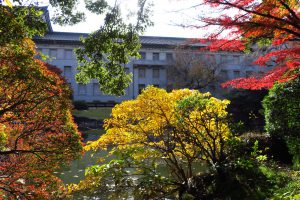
244	24
37	131
18	23
65	12
104	52
193	70
181	130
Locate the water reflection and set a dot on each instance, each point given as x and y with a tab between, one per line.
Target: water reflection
75	172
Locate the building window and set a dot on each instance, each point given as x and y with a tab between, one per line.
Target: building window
236	73
155	73
96	89
82	89
143	55
224	74
68	54
249	74
142	72
155	56
209	58
224	58
200	57
68	71
141	87
261	74
169	56
52	53
236	60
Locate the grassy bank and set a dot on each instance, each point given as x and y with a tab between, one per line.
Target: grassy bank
95	113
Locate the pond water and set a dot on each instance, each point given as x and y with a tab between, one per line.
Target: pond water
75	172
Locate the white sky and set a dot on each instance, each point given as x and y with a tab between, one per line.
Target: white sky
164	19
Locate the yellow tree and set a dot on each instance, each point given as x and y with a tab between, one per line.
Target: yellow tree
173	131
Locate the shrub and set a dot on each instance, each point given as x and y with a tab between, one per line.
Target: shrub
282	108
245	107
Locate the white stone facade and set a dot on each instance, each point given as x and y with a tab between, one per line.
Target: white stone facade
157	54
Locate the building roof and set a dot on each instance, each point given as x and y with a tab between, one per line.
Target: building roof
52	37
46	17
146	41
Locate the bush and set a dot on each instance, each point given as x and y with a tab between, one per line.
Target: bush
80	105
282	108
245	107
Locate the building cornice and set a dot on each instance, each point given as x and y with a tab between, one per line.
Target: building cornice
146	41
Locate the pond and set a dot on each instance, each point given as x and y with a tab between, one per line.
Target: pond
75	172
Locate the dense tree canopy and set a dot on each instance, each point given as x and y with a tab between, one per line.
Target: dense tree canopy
246	25
282	110
37	131
180	130
18	23
106	51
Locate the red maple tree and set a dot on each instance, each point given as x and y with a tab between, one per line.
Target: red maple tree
37	131
243	24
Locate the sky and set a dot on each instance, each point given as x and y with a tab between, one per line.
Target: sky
167	15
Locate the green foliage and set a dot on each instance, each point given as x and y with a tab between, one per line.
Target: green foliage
3	137
247	153
293	145
263	42
282	110
122	177
178	131
97	7
246	108
37	132
285	184
255	177
107	50
18	23
65	12
289	191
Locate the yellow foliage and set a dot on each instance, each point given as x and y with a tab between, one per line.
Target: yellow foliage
9	3
3	136
169	125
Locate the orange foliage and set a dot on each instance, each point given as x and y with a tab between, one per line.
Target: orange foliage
37	131
251	22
